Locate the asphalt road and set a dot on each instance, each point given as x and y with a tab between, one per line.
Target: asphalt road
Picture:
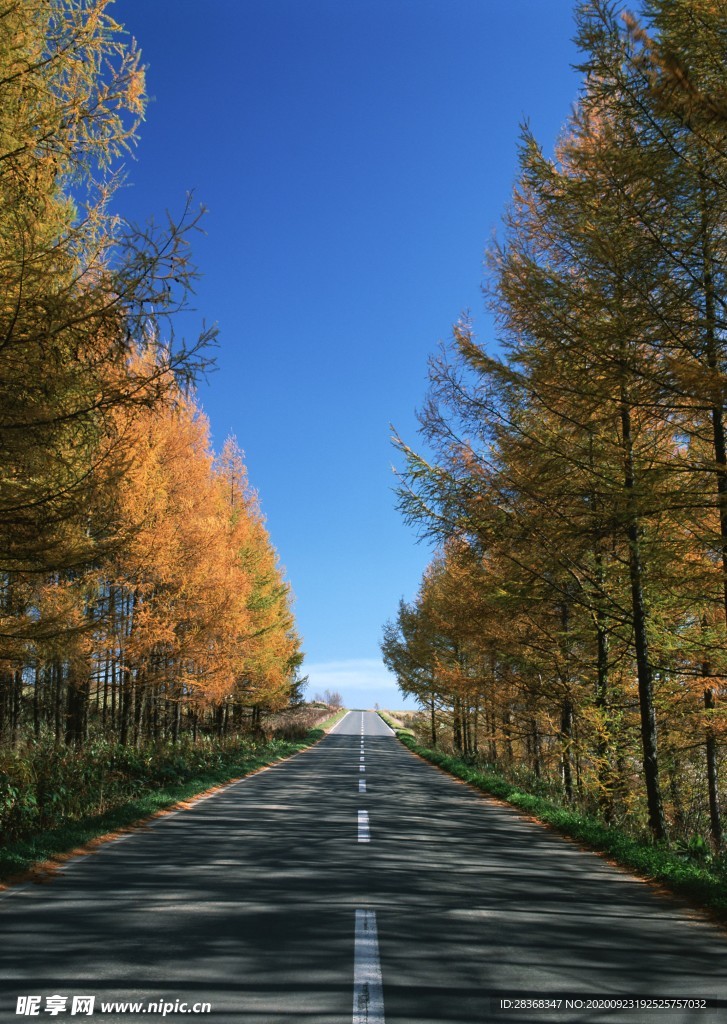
330	889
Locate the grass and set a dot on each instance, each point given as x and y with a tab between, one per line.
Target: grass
40	852
395	724
696	882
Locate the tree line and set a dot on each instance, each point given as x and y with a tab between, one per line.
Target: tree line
140	594
571	628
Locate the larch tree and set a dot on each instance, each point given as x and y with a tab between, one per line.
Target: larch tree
579	457
81	290
124	598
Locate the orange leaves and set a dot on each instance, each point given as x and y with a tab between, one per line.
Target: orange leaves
137	576
269	644
209	603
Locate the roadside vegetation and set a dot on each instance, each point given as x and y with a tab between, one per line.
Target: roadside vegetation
141	597
147	642
56	801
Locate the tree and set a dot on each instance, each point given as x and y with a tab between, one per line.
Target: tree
605	414
80	290
139	590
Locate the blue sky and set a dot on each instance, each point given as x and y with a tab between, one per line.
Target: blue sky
355	156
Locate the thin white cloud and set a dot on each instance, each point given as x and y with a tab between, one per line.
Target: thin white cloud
360	681
367	672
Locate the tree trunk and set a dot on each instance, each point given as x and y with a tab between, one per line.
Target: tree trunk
57	669
657	823
125	709
507	735
715	817
566	741
566	710
717	398
720	458
603	747
16	706
457	727
535	747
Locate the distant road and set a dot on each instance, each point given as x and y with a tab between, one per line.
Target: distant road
352	883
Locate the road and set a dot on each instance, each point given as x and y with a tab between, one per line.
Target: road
352	883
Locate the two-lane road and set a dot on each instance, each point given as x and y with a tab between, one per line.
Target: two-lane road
352	883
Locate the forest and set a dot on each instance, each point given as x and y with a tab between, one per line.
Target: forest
142	603
572	467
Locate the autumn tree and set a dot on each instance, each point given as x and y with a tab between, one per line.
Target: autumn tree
579	455
136	592
666	71
80	289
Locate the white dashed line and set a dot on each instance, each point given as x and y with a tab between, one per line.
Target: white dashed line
368	993
362	785
364	835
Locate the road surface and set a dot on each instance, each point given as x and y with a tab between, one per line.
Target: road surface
351	883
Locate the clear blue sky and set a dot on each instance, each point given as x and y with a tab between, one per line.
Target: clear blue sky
355	156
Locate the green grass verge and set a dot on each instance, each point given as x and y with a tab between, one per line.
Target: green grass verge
22	855
395	725
656	863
